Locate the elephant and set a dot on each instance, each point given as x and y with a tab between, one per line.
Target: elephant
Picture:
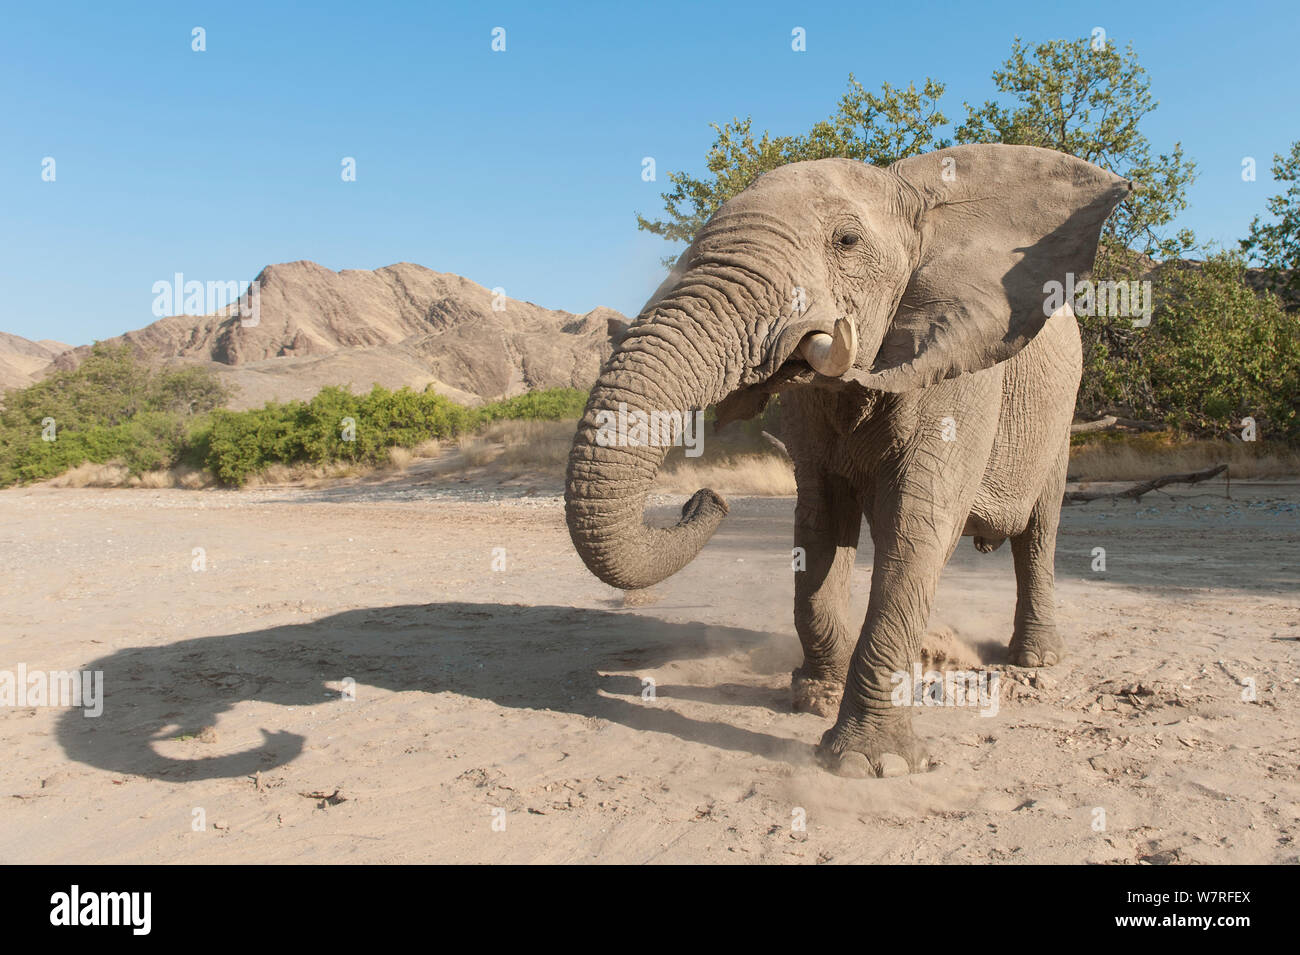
927	381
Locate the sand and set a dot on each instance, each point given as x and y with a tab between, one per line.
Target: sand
502	715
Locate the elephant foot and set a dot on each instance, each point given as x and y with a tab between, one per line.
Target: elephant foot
810	694
1037	647
891	749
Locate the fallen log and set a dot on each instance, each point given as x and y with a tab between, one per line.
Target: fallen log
1146	487
1113	422
1138	425
775	442
1101	424
1120	419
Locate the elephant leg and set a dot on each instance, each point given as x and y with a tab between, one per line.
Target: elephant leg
870	721
828	519
914	534
1034	641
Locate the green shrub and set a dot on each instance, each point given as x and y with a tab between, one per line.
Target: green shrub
1216	351
553	404
111	407
337	425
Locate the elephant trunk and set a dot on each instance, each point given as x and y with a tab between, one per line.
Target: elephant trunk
683	359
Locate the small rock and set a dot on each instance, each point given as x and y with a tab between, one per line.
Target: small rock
1113	764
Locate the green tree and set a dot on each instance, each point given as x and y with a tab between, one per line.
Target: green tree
1276	245
110	386
1086	98
113	406
191	390
1215	352
877	128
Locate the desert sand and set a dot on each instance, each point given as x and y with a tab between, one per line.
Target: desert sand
515	695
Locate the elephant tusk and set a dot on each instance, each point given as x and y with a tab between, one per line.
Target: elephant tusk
831	355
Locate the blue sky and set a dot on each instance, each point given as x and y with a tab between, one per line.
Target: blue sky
519	169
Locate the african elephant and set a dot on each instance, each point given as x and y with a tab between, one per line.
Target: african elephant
927	378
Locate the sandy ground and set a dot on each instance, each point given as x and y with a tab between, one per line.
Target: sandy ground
515	695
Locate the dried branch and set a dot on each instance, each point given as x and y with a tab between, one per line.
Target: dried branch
1101	424
775	442
1137	490
1114	422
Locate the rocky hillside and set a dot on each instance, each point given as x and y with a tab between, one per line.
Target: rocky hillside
23	361
399	325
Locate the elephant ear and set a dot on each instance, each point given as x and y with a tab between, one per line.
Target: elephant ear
997	223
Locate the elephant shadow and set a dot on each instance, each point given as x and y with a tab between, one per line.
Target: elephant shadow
539	658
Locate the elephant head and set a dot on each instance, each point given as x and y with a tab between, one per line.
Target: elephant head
836	273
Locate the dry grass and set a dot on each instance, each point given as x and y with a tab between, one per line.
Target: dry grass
543	444
514	446
475	451
541	448
1142	457
192	479
275	474
399	459
152	479
306	474
116	474
761	475
428	449
519	432
111	474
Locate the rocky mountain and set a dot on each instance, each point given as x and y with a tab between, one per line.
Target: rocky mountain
399	325
23	361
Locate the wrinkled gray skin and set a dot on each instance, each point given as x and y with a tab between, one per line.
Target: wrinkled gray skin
939	262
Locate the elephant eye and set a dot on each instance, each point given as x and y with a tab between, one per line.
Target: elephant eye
848	240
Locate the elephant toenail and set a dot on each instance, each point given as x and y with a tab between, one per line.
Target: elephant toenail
891	764
851	765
